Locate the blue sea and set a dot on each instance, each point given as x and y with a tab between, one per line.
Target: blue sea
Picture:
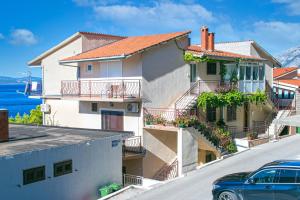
14	101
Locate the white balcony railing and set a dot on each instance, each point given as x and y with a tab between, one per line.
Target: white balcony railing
125	89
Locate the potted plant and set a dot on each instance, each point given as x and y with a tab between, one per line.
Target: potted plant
160	120
149	119
181	122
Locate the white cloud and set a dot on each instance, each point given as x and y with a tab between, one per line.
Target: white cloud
23	37
161	15
275	36
1	36
293	6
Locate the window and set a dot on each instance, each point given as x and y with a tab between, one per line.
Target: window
248	73
89	68
287	176
62	168
242	73
261	73
211	68
265	176
94	107
33	175
255	73
298	174
193	72
211	114
231	113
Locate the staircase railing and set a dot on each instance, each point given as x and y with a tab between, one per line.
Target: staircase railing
167	171
194	89
129	179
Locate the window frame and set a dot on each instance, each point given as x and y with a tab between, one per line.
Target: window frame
34	170
279	176
62	164
92	108
269	169
193	72
231	113
209	68
87	68
211	113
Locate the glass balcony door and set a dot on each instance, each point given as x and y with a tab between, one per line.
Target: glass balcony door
251	77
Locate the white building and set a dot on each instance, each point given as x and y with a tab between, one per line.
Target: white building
120	83
58	163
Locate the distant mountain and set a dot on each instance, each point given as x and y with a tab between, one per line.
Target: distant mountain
11	80
290	58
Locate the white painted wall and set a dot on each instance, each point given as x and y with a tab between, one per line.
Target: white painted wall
187	151
95	163
165	74
54	73
78	114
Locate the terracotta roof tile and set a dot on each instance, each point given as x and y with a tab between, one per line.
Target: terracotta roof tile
281	71
126	46
295	82
198	50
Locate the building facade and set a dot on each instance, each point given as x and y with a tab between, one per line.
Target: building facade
118	83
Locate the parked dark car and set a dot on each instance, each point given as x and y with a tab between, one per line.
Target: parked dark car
278	180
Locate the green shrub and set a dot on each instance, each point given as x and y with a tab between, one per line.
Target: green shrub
35	117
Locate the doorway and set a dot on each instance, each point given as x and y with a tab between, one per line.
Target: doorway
112	120
193	73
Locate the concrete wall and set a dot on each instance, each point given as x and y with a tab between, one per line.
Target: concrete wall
165	74
161	149
130	68
202	73
74	113
54	73
95	163
187	151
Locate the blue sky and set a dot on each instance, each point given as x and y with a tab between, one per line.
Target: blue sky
34	26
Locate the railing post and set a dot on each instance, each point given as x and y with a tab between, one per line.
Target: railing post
79	88
123	89
61	88
90	88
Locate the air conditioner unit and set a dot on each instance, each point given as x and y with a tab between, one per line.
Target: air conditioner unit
45	108
132	107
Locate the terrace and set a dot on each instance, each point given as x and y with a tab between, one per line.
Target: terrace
103	90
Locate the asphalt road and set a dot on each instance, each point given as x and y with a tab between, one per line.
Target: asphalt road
197	185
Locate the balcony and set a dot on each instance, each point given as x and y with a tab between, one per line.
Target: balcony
132	148
102	90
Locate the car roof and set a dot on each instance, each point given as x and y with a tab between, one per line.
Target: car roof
283	163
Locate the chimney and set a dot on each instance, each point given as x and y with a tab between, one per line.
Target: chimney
3	125
211	41
204	37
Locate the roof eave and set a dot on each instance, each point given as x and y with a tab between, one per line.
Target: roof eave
94	59
37	60
224	57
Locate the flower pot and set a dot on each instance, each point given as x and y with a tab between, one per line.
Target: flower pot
182	126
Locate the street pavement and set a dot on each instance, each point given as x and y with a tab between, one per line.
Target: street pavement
197	185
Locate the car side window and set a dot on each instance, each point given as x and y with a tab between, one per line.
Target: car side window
298	176
287	176
265	176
